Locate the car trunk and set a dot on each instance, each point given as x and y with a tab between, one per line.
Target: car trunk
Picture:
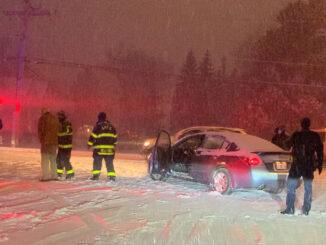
278	162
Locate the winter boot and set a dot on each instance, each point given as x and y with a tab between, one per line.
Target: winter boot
60	177
287	211
95	177
111	178
305	212
70	176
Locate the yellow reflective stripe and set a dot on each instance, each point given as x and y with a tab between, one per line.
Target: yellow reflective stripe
104	135
111	174
116	142
96	171
59	171
90	143
104	147
65	146
70	171
101	153
64	134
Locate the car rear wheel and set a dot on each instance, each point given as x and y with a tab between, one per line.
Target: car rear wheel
278	188
221	181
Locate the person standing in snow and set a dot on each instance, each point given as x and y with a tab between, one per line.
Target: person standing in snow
103	140
280	137
64	147
306	145
48	129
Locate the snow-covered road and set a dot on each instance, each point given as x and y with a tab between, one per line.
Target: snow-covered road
138	210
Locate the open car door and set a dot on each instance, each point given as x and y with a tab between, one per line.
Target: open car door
161	156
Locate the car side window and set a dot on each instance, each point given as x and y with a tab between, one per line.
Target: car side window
213	142
191	143
183	152
188	132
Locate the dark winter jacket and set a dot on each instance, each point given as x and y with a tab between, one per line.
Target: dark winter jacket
103	138
306	146
65	135
279	139
48	128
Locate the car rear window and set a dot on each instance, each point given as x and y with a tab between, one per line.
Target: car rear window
251	143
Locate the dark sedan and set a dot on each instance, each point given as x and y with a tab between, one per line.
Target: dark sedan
224	160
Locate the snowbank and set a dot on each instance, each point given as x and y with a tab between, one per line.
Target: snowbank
138	210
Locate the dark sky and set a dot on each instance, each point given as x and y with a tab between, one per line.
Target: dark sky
86	30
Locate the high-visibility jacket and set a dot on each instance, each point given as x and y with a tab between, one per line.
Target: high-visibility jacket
65	135
103	138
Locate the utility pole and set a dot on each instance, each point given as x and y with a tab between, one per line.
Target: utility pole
28	12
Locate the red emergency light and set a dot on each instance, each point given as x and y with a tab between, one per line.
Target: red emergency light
18	108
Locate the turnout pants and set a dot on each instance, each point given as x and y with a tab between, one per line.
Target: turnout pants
63	162
97	165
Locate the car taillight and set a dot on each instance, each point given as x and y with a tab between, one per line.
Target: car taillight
254	161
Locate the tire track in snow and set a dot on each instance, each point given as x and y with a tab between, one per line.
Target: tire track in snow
167	227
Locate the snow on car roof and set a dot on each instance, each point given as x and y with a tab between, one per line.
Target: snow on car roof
250	142
210	128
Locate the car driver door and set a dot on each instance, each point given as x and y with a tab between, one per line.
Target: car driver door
184	152
160	157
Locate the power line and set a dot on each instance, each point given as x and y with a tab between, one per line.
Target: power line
278	62
124	70
279	83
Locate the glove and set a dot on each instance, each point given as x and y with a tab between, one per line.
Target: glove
320	169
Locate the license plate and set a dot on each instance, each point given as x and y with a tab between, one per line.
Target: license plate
280	165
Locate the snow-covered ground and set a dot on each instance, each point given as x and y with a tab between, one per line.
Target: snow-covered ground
138	210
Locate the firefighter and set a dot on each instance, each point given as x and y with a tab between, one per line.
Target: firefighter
64	147
103	140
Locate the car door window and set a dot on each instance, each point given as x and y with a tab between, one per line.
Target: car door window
183	151
188	133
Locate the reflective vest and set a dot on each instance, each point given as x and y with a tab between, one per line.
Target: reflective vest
65	135
103	138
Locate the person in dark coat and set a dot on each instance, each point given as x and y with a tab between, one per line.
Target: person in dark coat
64	147
305	145
48	129
103	140
280	137
0	123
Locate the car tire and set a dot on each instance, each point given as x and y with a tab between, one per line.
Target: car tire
220	181
156	176
276	190
280	186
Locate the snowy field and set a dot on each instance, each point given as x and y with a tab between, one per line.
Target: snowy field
138	210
